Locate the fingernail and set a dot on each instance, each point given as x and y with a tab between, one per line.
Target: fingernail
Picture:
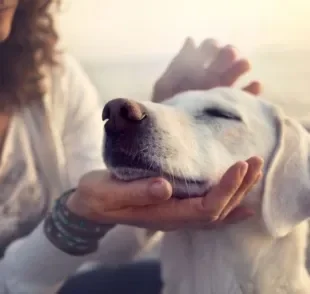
243	169
160	189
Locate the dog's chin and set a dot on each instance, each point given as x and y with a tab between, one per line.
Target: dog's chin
181	187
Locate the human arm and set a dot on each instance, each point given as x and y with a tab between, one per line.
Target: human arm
33	264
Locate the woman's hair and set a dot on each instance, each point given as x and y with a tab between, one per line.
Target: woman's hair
31	44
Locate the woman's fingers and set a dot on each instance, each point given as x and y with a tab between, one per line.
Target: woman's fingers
112	194
224	60
253	174
173	213
234	72
208	50
120	194
187	47
204	67
226	69
182	61
254	88
136	203
216	200
166	86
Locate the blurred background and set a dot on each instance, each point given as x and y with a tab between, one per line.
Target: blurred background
124	45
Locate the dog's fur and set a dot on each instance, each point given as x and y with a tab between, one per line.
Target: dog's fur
196	136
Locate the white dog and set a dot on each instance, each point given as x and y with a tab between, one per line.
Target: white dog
192	139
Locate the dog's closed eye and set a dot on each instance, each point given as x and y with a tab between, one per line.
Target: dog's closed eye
220	113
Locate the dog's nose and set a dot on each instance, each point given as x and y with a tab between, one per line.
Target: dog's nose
122	113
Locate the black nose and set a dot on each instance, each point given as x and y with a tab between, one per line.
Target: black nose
122	114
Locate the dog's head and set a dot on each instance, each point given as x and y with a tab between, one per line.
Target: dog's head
194	137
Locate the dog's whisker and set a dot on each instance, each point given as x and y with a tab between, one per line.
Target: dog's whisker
139	151
150	165
188	190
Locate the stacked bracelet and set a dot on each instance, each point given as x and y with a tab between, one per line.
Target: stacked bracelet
72	233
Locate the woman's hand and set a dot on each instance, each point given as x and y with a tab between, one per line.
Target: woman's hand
202	68
148	203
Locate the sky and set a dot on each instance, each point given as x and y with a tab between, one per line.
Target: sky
124	28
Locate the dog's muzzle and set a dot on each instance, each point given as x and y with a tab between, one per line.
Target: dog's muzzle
129	132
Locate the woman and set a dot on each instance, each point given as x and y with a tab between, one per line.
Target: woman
50	135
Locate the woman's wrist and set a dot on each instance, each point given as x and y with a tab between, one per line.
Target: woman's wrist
70	231
66	242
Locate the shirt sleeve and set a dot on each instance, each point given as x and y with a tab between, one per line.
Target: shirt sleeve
82	135
32	265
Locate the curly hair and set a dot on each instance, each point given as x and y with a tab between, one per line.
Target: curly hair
31	44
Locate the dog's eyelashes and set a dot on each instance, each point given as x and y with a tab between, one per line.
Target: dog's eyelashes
215	112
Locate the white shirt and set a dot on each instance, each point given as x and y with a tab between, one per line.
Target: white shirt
23	201
45	152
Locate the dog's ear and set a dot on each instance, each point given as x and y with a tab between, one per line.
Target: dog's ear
286	195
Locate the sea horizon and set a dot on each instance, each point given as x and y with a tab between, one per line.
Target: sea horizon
285	74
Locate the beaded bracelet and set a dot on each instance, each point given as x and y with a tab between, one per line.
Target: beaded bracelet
71	233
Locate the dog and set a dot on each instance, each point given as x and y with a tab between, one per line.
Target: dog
191	140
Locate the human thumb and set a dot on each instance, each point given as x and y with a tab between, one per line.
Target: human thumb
120	194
